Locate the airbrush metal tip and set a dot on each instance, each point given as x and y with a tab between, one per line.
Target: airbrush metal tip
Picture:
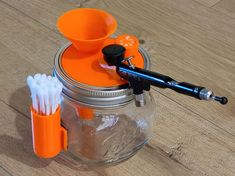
222	100
206	94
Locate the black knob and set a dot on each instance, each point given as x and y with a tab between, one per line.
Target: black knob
222	100
113	54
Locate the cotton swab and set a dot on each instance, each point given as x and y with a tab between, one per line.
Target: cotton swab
41	101
33	87
30	80
34	96
47	102
45	93
51	99
43	77
37	78
54	99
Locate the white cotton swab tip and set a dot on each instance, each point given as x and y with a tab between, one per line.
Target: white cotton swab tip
30	81
45	93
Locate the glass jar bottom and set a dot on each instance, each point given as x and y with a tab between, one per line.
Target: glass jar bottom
110	162
106	139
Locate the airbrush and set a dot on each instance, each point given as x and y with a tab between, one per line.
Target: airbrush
141	80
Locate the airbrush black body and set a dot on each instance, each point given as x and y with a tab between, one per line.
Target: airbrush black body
140	79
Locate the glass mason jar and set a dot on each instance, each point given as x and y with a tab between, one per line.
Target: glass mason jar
104	125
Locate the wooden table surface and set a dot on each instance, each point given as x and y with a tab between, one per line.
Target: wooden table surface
191	40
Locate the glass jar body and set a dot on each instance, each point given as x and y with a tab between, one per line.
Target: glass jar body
98	136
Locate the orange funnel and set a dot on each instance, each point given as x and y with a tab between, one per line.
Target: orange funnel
87	28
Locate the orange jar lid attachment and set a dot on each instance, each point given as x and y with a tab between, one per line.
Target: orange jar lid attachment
77	64
87	82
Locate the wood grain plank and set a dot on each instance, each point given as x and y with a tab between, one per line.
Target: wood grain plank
207	3
202	25
189	20
174	55
48	15
227	7
197	144
32	44
4	172
185	137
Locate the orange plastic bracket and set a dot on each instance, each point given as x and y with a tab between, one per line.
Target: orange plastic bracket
49	137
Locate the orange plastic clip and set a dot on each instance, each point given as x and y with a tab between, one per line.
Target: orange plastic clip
49	137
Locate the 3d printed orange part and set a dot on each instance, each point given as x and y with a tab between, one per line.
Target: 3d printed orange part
49	137
130	42
85	68
87	28
85	113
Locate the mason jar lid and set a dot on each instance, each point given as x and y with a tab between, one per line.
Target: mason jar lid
86	82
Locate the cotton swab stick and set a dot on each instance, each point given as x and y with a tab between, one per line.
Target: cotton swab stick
47	102
41	101
54	105
34	96
51	99
57	96
32	85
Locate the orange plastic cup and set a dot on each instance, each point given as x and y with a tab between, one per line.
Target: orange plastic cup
87	28
49	137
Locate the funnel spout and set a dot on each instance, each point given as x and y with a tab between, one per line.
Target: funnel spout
87	28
